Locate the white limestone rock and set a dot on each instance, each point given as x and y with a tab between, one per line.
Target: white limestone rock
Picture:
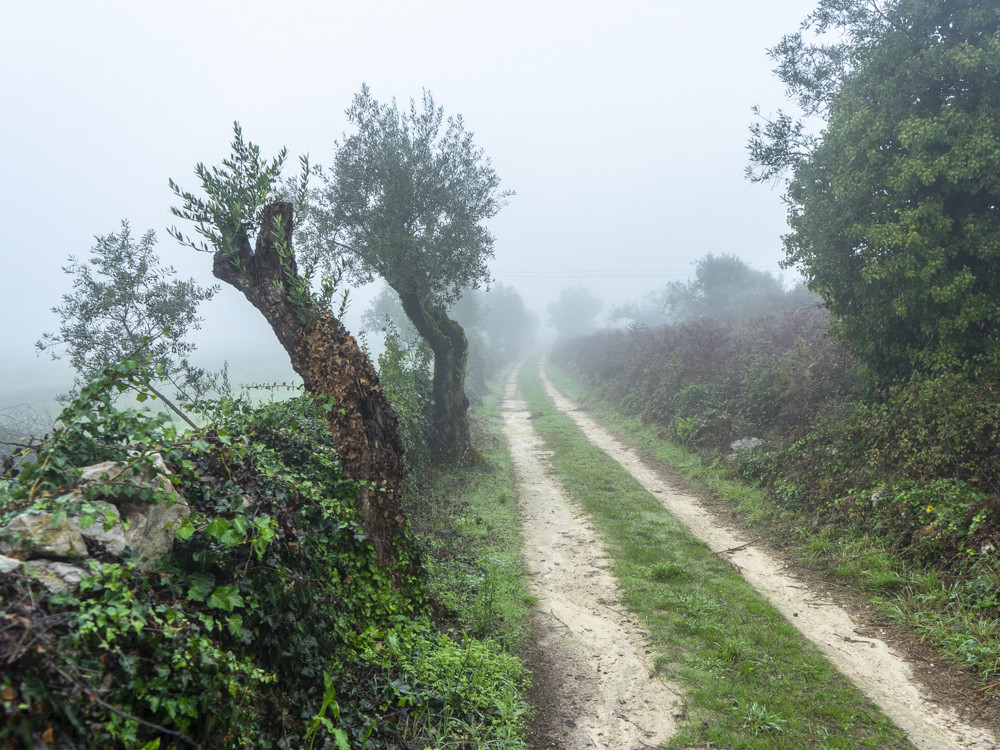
151	526
38	533
55	576
112	539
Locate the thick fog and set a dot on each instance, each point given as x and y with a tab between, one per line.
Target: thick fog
621	127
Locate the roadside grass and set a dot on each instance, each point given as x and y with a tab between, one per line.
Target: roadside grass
466	520
951	614
750	679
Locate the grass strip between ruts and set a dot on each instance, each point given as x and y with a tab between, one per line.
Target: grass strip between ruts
750	679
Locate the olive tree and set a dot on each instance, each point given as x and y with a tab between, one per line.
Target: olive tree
248	230
126	304
407	199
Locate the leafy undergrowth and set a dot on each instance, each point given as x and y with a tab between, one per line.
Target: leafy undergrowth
750	680
894	491
271	625
466	520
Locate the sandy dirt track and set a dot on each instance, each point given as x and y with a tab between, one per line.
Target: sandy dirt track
591	657
870	663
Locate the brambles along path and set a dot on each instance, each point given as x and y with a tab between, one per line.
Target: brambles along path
868	661
592	663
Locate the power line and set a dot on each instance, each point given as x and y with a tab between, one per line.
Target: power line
592	274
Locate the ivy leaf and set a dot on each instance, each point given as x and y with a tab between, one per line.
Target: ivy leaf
217	528
236	533
265	527
225	598
200	585
185	531
235	625
208	622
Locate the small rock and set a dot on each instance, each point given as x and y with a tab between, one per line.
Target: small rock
151	526
112	472
102	472
9	564
55	576
113	539
745	444
36	532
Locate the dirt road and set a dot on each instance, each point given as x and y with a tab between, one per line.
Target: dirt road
592	666
598	690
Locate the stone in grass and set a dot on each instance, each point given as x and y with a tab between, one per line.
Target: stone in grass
745	444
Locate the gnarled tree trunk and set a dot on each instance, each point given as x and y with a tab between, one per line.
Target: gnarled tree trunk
331	364
447	340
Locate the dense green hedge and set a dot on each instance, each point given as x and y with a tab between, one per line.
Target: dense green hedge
920	461
270	625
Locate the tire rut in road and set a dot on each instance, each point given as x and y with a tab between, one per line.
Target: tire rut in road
869	662
590	654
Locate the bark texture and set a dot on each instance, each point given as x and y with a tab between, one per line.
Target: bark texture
331	364
451	348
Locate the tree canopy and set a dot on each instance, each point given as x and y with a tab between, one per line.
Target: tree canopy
408	196
893	206
724	288
407	200
126	304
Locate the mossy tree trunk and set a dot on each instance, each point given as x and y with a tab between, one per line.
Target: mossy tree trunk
331	365
447	341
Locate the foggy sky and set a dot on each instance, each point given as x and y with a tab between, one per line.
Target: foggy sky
621	127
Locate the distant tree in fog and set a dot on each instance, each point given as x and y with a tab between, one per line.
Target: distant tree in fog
19	425
652	309
724	287
500	328
507	322
575	312
124	303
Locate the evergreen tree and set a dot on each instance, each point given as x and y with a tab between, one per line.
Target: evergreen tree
893	207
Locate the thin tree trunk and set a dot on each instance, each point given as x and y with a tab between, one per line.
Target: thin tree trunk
331	365
451	348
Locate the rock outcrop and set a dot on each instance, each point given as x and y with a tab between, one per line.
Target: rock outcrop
54	548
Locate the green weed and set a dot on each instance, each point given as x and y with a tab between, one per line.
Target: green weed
466	518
